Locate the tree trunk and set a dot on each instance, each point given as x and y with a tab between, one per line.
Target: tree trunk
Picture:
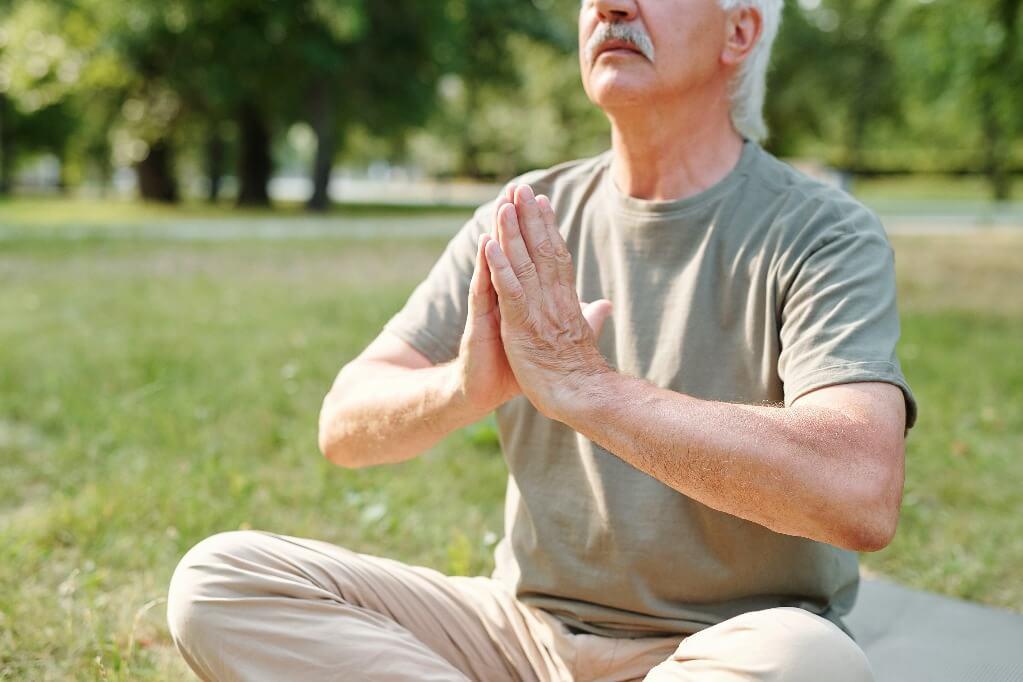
997	136
469	159
254	162
97	155
214	163
324	122
996	150
874	58
155	174
63	182
6	148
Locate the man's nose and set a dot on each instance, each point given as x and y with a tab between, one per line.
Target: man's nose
616	10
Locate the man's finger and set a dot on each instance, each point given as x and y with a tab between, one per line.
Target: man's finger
507	196
482	298
562	256
596	313
511	297
537	239
514	249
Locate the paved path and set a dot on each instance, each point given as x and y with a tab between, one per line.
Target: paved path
299	227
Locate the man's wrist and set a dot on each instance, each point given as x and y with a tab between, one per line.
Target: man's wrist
583	396
459	399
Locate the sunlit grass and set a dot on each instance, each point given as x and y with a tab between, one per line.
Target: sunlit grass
29	211
929	187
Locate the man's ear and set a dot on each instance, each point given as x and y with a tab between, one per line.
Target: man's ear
742	31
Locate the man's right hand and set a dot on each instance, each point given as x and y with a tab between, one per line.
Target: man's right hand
485	377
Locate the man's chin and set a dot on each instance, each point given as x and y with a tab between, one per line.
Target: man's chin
616	90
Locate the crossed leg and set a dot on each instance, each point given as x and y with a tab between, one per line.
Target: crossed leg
773	645
251	605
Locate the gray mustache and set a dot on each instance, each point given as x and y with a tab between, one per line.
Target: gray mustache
630	33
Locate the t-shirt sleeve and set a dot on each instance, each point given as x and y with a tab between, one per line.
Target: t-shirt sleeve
839	320
433	318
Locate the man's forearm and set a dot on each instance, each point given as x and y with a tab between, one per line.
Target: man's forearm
378	413
797	470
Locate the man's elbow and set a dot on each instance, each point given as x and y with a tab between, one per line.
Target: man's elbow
872	535
329	447
336	453
876	518
874	494
329	435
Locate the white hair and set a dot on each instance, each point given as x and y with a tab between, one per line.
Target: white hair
749	87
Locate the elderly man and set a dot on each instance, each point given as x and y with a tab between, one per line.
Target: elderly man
690	477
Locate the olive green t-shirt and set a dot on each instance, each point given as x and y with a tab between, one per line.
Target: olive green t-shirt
757	290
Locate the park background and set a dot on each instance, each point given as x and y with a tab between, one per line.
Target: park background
208	207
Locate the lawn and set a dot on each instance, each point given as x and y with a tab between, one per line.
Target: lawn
154	392
75	212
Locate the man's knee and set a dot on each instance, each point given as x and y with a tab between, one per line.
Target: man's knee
211	570
778	644
808	647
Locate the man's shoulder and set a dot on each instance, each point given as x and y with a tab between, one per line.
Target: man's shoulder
563	183
567	176
807	207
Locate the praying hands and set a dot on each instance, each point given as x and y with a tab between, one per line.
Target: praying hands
527	330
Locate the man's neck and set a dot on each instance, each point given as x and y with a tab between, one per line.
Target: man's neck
673	151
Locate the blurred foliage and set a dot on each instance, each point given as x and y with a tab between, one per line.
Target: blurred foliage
481	88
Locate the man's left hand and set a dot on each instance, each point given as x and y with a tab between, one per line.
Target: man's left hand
549	339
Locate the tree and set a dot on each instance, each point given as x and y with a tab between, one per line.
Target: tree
998	95
485	88
374	64
37	68
833	76
486	63
964	94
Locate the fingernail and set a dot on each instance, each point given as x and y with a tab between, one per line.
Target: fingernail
495	252
527	193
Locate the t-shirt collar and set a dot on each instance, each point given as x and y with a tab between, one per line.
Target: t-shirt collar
656	208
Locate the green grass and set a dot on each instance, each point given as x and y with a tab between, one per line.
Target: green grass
48	211
925	186
153	393
961	531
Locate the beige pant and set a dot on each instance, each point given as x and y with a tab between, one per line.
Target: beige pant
255	606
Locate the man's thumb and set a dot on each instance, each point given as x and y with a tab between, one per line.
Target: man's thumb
596	312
